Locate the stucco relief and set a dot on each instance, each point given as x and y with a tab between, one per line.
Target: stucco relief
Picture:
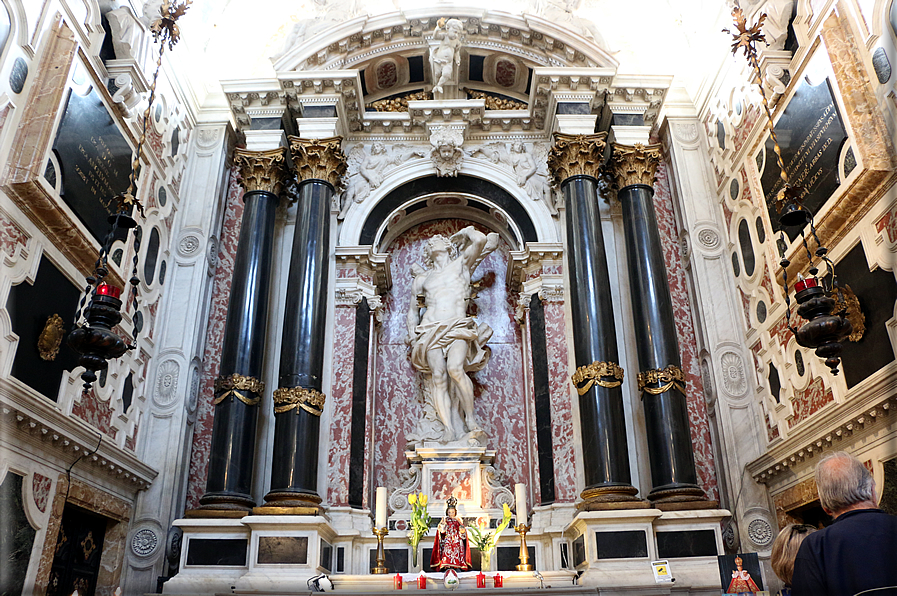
527	164
368	167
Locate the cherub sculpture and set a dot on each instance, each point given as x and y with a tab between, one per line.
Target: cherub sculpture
367	169
446	153
445	59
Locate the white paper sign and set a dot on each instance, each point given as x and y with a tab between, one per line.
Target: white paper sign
662	573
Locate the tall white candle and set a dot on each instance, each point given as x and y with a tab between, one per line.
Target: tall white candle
380	521
520	493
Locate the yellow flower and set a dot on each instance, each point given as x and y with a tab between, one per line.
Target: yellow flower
412	498
507	510
423	500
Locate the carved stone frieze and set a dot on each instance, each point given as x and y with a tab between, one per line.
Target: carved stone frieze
576	155
634	164
319	159
261	170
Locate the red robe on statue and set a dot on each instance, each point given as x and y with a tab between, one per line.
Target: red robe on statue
451	550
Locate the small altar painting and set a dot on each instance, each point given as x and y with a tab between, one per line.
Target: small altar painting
740	574
451	483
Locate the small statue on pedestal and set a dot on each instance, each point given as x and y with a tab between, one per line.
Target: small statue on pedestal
451	549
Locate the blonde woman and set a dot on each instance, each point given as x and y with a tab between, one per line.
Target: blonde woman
784	551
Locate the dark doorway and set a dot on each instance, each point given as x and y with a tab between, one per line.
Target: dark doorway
76	562
812	514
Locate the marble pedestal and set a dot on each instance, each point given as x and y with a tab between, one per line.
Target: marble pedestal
614	550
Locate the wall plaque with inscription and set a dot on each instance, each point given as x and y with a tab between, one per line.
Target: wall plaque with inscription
95	160
811	134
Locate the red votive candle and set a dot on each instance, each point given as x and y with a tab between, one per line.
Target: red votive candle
397	582
105	289
497	581
803	284
421	582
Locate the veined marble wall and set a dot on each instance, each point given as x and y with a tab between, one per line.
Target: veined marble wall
499	388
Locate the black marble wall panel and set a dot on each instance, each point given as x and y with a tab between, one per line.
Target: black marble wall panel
29	307
626	544
542	398
688	543
359	403
397	559
283	550
508	557
217	551
16	536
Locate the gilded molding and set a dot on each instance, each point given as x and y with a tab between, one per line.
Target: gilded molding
291	398
576	155
633	164
594	373
51	338
319	159
233	385
669	377
262	170
849	301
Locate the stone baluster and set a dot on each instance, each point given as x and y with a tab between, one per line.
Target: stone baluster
238	387
660	380
299	398
574	161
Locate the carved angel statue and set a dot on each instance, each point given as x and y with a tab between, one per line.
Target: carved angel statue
329	13
531	171
446	153
445	59
366	170
495	152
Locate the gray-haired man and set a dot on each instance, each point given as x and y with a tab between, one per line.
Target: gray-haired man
858	552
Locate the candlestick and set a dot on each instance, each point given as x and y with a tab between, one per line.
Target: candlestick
381	556
381	507
522	529
520	493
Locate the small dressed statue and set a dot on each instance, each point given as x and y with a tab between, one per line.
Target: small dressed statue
451	550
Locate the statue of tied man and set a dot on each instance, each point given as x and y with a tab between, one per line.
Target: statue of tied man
445	342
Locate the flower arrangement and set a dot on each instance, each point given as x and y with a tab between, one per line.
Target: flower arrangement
420	522
486	541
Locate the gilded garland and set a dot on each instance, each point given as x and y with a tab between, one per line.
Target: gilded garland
291	398
671	376
576	155
848	301
233	385
594	373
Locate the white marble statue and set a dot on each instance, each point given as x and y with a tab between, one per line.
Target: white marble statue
445	59
329	13
446	151
775	28
531	171
446	343
366	169
126	34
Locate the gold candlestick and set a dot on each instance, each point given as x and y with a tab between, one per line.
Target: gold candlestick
381	556
522	529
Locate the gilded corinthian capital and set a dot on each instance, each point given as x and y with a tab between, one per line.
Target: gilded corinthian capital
319	159
633	164
262	170
576	155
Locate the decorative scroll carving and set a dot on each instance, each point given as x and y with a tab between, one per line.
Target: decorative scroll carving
233	385
290	398
319	159
494	102
51	338
593	373
497	483
261	170
634	164
576	155
411	483
399	104
669	377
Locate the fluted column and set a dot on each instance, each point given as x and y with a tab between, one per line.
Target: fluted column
299	399
660	378
239	386
574	161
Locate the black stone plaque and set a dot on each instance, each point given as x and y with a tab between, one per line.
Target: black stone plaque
508	557
94	158
627	544
882	65
396	559
229	552
18	75
579	550
810	134
688	543
283	550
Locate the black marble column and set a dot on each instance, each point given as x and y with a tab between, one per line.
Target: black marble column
299	399
238	386
574	162
661	380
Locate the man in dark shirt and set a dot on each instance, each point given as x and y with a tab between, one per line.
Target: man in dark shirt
858	552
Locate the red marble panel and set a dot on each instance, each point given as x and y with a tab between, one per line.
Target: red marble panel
746	304
744	130
499	389
341	405
202	430
154	140
772	430
505	73
95	412
4	114
152	310
131	441
559	387
11	235
888	223
808	401
451	483
40	491
685	331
